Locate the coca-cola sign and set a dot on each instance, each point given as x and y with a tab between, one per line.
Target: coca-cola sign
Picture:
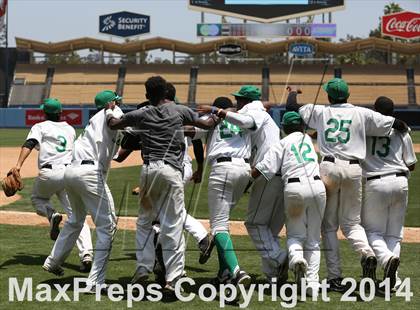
404	25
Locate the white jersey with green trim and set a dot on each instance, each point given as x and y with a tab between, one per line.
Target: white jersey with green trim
342	128
389	154
225	140
55	142
98	142
295	155
266	132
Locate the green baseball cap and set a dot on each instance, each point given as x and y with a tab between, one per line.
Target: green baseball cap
104	97
291	118
51	106
337	89
248	91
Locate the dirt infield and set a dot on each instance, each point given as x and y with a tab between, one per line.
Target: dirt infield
9	156
237	228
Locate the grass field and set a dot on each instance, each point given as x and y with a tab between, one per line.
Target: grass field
23	258
122	179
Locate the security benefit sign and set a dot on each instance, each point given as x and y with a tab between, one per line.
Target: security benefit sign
124	24
302	49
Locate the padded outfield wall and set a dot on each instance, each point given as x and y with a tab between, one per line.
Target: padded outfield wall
78	117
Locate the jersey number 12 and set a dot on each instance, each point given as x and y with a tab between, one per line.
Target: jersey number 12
300	157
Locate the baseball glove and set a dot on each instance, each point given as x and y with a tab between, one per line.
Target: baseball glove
12	182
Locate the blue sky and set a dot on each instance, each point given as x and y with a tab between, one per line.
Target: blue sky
57	20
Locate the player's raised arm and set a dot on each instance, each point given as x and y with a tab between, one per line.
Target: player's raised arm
119	123
292	103
191	118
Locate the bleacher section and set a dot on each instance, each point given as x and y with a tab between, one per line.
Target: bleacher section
78	84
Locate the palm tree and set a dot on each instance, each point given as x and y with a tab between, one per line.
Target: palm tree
391	8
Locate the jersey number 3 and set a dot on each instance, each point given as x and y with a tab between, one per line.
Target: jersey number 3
343	126
62	144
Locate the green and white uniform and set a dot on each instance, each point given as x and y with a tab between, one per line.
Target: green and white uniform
386	192
85	183
228	152
342	131
55	146
304	199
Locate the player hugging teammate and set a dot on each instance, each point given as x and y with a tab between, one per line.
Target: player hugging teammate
362	151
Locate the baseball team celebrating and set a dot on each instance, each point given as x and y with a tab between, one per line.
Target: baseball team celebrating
359	183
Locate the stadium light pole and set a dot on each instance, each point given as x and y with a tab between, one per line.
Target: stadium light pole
6	67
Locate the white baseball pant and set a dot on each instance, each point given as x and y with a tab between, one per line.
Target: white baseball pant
265	219
304	203
162	198
227	183
192	225
87	192
383	213
343	183
48	183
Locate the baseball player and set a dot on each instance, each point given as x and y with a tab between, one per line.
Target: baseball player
304	197
386	168
193	226
342	129
85	182
228	152
265	216
54	139
162	192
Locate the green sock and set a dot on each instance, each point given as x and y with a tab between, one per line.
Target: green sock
222	263
226	252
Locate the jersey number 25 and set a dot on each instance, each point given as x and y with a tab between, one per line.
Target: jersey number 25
343	126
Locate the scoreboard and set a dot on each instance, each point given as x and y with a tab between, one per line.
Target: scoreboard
266	10
267	30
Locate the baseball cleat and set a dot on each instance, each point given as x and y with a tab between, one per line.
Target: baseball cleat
369	264
169	288
243	278
57	270
336	286
55	221
140	275
391	270
283	272
300	273
206	247
86	263
92	291
222	278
